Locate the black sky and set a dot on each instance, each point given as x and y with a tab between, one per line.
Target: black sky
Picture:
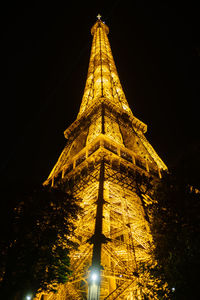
46	49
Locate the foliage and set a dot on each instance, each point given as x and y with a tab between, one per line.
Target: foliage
175	224
151	281
36	245
176	227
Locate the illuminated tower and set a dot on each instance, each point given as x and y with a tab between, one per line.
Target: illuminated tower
105	152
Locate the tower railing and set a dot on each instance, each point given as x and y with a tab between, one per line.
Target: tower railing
115	150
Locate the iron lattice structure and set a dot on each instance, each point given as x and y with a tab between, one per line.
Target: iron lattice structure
105	150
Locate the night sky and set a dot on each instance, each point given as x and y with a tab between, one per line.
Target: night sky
46	50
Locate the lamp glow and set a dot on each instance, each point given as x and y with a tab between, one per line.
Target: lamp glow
94	276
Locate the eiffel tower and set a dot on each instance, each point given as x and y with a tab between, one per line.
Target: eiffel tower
106	148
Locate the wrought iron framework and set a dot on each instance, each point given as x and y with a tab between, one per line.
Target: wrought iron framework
105	150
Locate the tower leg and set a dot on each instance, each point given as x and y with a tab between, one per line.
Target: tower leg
97	240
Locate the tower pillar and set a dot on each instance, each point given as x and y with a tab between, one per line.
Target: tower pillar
97	239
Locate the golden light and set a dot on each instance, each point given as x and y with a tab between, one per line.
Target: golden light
105	148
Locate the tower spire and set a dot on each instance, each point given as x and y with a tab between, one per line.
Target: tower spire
99	17
102	78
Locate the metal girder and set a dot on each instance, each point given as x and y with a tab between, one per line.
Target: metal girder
106	150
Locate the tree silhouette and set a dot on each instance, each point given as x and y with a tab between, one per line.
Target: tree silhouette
176	227
36	243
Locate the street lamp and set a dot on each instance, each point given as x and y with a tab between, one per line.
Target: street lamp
94	276
94	279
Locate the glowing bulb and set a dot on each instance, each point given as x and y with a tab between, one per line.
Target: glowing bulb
125	107
28	297
94	276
